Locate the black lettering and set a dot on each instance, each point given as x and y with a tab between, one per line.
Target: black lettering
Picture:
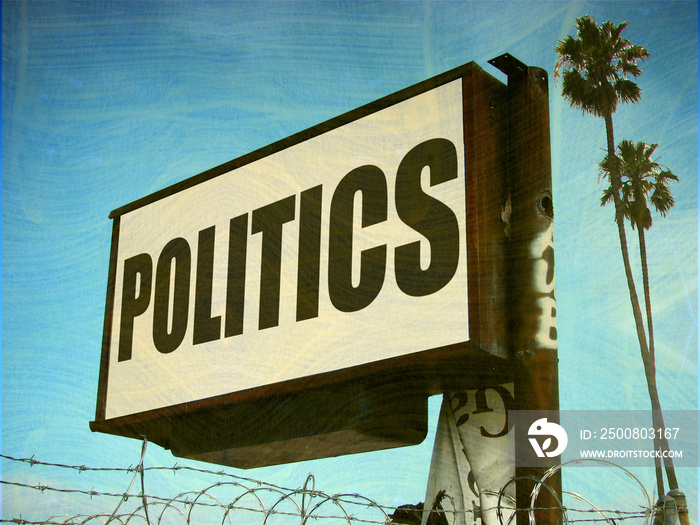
178	251
462	398
308	272
481	406
371	182
269	220
137	269
429	217
235	283
206	328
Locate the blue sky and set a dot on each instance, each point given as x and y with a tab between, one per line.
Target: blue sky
105	102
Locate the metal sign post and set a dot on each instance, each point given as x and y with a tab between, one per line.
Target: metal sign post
531	279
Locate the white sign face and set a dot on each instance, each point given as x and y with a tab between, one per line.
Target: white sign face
342	250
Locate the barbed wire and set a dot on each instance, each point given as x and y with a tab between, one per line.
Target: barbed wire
244	495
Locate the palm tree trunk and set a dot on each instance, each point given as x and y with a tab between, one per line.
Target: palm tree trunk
660	442
620	220
650	326
615	182
647	297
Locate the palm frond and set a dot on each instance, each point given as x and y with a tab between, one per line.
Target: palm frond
627	91
608	196
596	66
641	182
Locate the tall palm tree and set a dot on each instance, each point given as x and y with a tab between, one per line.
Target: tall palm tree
595	68
642	181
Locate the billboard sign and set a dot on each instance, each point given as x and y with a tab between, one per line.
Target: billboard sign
297	263
357	246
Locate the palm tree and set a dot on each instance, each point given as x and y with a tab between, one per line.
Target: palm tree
642	180
595	68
